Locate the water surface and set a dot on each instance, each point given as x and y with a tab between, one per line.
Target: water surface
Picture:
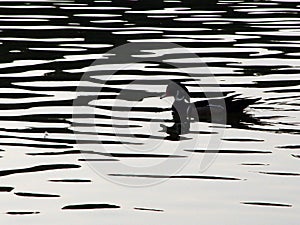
251	47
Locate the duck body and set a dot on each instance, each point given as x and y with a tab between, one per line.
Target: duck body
230	107
225	110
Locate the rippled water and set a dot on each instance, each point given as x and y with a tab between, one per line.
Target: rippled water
251	48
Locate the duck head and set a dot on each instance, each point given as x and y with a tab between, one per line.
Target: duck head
178	91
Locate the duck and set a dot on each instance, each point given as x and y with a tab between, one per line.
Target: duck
229	110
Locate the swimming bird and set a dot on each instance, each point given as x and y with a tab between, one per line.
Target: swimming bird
225	110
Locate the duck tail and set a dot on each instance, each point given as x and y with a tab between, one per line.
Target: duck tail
238	105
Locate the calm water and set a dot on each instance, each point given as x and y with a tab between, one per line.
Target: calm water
80	150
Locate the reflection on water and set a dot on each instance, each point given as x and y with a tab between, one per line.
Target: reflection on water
251	47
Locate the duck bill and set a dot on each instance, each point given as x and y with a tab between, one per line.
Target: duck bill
164	96
167	94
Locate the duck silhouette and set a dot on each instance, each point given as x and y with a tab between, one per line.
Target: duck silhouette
229	110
